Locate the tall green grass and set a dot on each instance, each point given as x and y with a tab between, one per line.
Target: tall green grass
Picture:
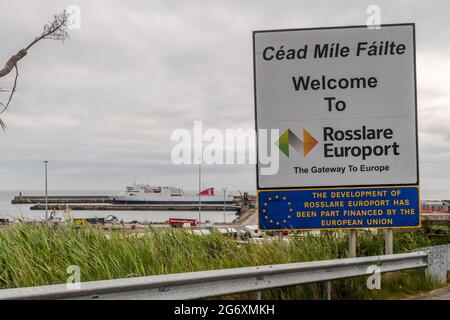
38	255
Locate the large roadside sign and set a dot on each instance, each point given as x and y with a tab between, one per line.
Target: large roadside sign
336	116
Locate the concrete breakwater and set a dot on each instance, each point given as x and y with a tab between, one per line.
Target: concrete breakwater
137	207
61	199
106	203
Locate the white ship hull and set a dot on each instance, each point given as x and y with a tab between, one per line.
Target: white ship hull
145	194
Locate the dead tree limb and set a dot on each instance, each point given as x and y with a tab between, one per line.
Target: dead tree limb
54	30
12	62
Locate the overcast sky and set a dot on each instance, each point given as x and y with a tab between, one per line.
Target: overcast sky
101	107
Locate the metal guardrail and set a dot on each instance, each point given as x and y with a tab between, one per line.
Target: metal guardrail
204	284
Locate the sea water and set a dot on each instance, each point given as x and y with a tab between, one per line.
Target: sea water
22	211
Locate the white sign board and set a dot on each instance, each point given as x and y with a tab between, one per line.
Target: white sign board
344	102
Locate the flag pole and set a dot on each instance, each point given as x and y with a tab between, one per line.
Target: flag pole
199	193
224	212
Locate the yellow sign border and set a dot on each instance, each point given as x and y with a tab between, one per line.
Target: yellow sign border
334	188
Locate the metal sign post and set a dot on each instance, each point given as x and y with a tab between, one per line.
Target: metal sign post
389	241
388	247
352	243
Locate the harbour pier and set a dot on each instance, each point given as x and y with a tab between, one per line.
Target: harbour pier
138	207
106	203
61	199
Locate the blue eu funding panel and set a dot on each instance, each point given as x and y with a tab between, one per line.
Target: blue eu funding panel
347	208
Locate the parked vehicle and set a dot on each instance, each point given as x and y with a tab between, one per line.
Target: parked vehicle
86	221
177	223
231	232
435	206
251	231
201	232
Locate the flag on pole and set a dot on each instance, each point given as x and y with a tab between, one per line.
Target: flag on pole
207	192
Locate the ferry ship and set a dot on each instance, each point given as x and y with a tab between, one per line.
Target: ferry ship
146	194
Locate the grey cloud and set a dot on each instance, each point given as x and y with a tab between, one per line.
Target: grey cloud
102	106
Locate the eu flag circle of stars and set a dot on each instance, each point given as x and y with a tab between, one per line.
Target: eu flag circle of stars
275	210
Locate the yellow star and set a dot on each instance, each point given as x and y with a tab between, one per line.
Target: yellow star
289	216
270	198
264	210
267	217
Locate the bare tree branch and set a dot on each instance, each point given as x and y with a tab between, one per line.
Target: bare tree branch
3	125
5	106
54	30
12	62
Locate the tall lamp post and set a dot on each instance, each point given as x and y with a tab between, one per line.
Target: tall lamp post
224	213
46	192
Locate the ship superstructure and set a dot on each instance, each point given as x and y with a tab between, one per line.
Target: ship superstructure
139	193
